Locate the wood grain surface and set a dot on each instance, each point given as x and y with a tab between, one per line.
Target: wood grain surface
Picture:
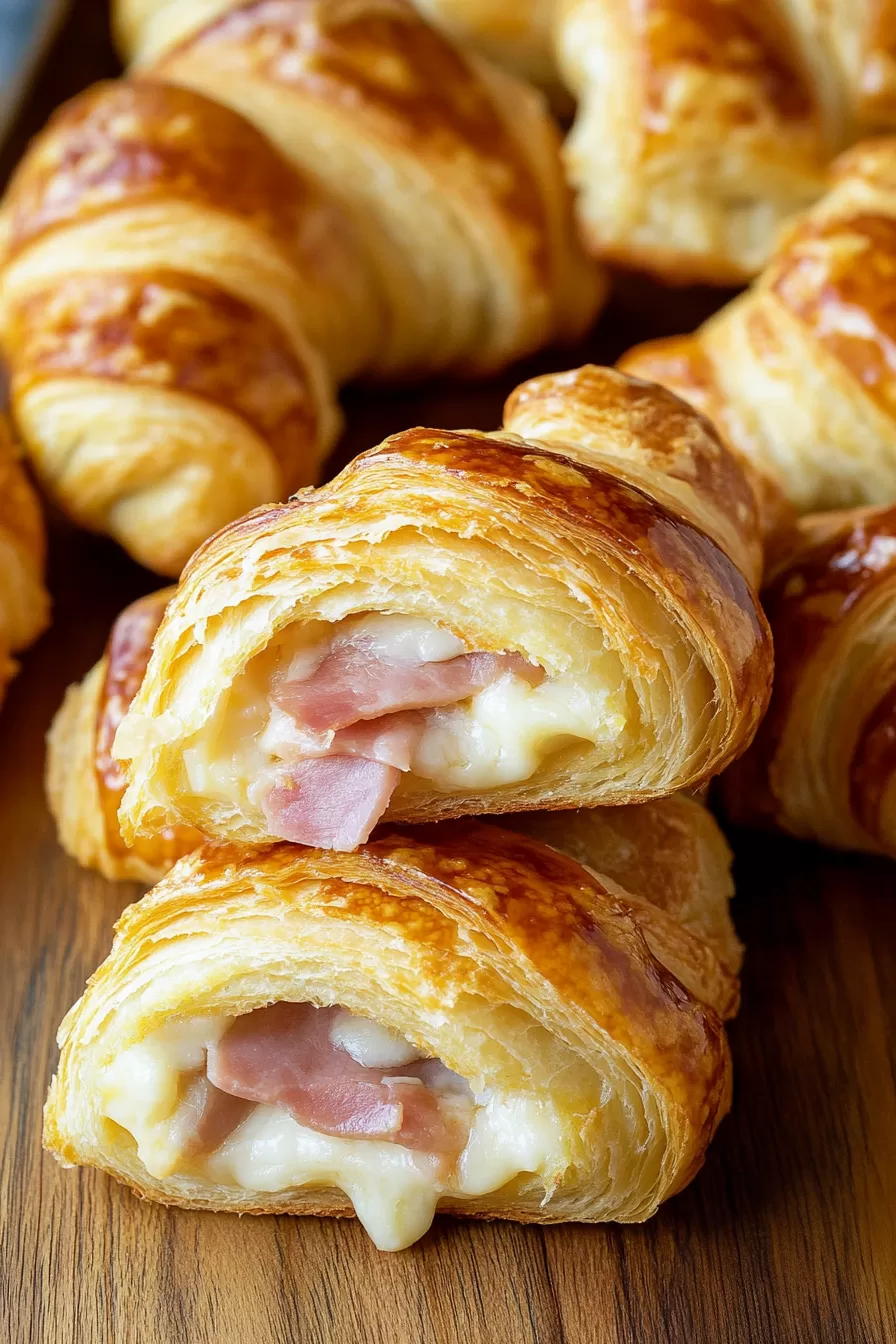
788	1236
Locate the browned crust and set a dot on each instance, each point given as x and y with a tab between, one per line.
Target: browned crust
174	331
825	573
127	654
128	142
376	59
750	43
832	270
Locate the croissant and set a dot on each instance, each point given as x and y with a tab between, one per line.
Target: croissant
84	782
178	301
463	623
823	765
453	1017
701	127
796	371
24	601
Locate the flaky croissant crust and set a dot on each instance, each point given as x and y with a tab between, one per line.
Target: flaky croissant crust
455	921
796	373
823	765
84	783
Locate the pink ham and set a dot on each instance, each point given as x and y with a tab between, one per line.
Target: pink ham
359	716
353	682
391	740
206	1117
283	1056
333	802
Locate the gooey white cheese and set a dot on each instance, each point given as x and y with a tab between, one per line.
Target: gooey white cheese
497	737
393	1190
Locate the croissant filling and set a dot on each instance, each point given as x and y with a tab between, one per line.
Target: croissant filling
318	732
292	1095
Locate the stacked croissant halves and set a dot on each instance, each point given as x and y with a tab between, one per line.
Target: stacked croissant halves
340	1005
414	756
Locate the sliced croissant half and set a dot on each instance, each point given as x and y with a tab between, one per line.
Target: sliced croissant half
453	1018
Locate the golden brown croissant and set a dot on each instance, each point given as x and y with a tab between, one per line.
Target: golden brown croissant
552	616
178	302
24	601
823	765
797	372
702	124
453	1017
84	781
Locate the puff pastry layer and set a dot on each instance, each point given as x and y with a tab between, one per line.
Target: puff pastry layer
796	373
595	1078
179	297
597	541
83	780
24	601
823	765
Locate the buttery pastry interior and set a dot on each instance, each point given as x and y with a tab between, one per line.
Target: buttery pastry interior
453	1017
463	623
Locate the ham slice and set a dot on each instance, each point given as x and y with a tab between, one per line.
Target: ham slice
391	740
333	802
206	1116
283	1056
355	682
355	720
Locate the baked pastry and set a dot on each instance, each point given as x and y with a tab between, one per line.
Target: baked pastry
24	601
823	765
448	167
701	127
455	1017
796	373
556	615
84	782
178	302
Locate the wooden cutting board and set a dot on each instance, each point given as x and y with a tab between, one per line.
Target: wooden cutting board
788	1236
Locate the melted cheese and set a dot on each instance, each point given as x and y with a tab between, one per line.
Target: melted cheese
497	737
393	1190
502	735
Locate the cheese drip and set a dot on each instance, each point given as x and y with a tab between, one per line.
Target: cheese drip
394	1191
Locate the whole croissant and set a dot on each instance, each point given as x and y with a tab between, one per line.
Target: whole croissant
701	126
823	765
556	615
179	299
553	1040
24	601
797	372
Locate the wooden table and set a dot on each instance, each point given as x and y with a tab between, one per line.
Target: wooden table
787	1237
